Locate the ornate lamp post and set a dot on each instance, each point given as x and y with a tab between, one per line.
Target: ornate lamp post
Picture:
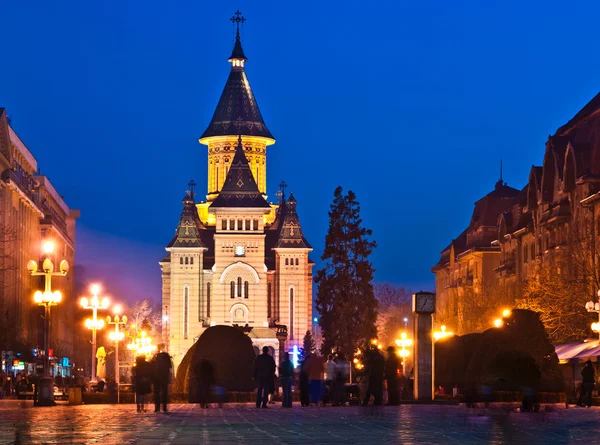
404	343
117	336
94	323
47	299
590	306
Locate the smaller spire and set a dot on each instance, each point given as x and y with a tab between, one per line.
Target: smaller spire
189	229
282	186
237	55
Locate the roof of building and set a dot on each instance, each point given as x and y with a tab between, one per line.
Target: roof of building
188	232
237	111
240	188
290	233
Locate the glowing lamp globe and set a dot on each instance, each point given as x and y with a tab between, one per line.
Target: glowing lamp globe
32	266
48	247
64	266
38	297
84	302
95	289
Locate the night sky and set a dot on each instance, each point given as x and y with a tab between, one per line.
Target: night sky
409	104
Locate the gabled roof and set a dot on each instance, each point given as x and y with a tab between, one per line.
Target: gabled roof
188	232
290	232
237	111
240	189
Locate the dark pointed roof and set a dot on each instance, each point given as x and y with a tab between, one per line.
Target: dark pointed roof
290	233
189	230
239	188
237	111
238	52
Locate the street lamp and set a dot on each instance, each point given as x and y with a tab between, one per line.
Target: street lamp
142	345
94	323
590	306
499	322
404	343
442	333
117	336
47	299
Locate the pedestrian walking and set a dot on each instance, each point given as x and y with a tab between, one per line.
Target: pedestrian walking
205	378
162	377
342	373
330	369
141	373
375	366
264	368
303	383
587	384
314	369
286	374
391	375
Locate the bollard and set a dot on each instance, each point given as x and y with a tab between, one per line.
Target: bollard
46	392
75	396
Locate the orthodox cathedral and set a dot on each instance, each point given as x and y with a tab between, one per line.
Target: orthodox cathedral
237	259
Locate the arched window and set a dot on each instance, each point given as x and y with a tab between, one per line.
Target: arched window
287	262
180	260
239	314
256	225
268	300
239	224
191	260
223	224
232	289
291	313
186	260
239	287
246	285
207	300
247	226
186	311
297	261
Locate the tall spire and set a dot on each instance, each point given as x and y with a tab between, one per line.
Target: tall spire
290	234
188	230
237	111
239	188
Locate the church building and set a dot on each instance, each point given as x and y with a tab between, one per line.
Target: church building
237	259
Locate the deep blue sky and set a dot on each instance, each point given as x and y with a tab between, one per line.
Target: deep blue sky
409	104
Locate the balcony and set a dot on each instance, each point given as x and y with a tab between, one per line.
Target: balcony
506	268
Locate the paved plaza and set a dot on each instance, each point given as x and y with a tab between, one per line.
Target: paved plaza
244	424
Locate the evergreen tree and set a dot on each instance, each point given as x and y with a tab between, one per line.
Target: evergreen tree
345	297
308	345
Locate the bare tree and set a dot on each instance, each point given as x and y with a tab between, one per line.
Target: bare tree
560	287
394	306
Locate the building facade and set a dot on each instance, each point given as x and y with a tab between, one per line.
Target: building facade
553	222
31	211
237	259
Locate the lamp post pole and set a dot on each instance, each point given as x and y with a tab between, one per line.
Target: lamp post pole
117	336
47	299
94	323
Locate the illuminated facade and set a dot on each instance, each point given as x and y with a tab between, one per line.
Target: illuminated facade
237	259
554	221
31	210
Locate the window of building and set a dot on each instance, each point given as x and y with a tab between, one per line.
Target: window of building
191	260
187	260
268	300
256	224
247	227
239	224
291	313
207	300
246	286
532	250
239	287
232	289
239	314
180	260
223	224
297	261
287	262
525	253
186	311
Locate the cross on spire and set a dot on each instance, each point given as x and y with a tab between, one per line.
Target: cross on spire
236	20
282	186
192	186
